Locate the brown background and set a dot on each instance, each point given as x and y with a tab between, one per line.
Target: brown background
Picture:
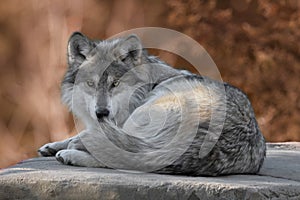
255	44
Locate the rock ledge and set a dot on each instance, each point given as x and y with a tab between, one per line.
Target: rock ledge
45	178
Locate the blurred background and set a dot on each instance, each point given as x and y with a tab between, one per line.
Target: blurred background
254	43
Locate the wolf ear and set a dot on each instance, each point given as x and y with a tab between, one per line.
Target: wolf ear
78	48
130	47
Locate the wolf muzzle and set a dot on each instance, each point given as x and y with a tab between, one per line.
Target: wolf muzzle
101	112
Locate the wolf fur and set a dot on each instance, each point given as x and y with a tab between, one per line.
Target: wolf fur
113	85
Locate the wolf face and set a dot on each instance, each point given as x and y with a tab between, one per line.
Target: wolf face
95	69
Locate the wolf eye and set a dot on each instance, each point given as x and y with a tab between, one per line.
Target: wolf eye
90	83
116	83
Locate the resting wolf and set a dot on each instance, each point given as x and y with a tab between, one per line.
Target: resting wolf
140	104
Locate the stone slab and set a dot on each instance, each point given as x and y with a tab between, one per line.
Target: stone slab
45	178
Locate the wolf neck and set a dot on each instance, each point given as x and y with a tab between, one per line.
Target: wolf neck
149	76
160	72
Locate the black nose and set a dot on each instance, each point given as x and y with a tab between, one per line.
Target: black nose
102	112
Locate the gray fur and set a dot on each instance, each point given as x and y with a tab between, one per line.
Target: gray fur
119	76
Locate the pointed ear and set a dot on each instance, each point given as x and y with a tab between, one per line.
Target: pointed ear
130	48
78	48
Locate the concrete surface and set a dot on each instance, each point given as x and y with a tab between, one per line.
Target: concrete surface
45	178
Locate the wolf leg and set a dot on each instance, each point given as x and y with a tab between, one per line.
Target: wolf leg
51	149
77	158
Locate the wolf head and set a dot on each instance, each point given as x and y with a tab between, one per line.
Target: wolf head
109	78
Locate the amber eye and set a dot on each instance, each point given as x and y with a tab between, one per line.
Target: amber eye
116	83
90	83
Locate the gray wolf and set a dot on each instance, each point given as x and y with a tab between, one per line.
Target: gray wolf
141	104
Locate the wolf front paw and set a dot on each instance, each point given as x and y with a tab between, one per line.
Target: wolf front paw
77	158
51	149
65	157
47	150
